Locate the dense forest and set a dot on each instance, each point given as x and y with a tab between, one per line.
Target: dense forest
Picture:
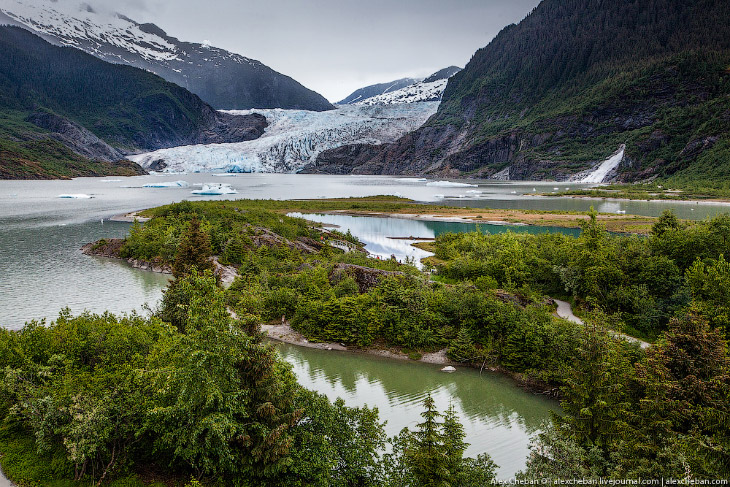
573	81
194	391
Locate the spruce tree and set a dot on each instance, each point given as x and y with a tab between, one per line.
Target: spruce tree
595	397
427	456
192	251
686	403
453	441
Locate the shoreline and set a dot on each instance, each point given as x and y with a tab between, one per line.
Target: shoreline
619	223
284	333
707	202
130	217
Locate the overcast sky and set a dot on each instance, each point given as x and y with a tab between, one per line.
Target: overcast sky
336	46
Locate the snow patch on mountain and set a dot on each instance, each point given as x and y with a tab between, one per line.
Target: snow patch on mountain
71	22
417	92
221	78
294	138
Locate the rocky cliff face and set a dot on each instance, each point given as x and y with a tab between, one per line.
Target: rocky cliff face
75	137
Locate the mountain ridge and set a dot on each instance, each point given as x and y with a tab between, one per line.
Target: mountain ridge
376	89
405	90
223	79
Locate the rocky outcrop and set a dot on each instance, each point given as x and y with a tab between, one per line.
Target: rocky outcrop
75	137
346	159
365	277
111	248
224	128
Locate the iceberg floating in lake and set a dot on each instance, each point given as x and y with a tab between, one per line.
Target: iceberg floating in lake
77	196
167	184
214	189
449	184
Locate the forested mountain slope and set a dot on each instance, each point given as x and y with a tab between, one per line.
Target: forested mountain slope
98	110
563	89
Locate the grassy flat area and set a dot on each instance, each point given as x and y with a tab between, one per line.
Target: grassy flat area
392	205
653	191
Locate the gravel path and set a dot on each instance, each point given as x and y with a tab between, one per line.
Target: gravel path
4	482
565	311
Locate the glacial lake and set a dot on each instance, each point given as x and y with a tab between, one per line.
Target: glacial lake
43	271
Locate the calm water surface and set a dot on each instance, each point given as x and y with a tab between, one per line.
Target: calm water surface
498	417
378	233
42	271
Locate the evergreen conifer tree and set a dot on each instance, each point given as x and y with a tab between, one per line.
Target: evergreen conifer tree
192	251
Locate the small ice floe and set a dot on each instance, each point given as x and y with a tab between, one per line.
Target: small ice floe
439	196
225	175
534	189
474	191
76	196
448	369
620	212
450	184
214	189
167	184
110	181
411	180
513	192
556	188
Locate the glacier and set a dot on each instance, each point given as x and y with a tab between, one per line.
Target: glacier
294	138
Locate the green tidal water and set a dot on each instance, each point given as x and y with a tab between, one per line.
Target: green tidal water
499	418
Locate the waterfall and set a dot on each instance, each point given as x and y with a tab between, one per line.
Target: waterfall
600	173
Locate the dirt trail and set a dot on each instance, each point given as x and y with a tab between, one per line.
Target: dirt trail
565	311
4	482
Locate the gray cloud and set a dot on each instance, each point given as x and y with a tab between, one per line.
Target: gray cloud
336	46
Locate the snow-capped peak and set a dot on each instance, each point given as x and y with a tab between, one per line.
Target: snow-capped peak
72	22
221	78
430	89
410	94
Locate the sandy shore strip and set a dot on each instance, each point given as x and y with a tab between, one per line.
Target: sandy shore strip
129	218
284	333
424	217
